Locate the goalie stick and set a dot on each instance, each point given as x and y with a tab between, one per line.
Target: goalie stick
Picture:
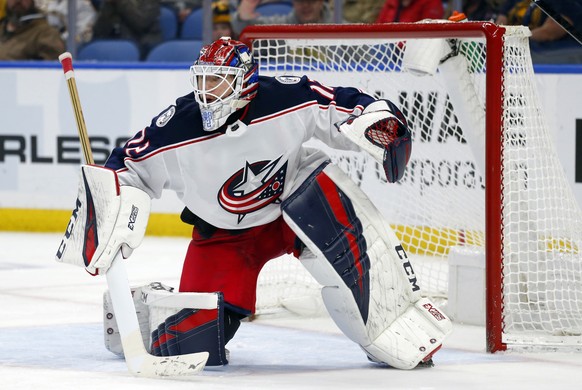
574	30
139	361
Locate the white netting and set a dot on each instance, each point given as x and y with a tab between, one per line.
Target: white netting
440	201
542	221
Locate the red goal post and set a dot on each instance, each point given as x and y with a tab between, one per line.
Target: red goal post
503	213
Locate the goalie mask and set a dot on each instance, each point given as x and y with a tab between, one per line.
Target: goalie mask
225	79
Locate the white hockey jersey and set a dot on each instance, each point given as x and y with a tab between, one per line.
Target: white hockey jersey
237	176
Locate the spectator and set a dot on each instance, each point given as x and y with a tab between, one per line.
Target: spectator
183	8
549	42
543	28
137	20
362	11
549	31
410	11
221	20
571	13
26	35
520	12
304	11
57	16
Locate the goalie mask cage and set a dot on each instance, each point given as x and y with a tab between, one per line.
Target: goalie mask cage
484	176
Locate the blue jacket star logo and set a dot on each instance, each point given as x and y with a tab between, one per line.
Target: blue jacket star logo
253	187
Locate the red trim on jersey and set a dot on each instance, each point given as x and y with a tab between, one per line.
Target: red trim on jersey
304	105
137	141
170	147
340	108
321	91
277	114
317	83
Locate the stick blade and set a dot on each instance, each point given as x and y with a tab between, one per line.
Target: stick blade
167	366
139	361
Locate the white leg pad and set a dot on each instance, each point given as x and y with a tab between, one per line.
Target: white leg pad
379	306
413	337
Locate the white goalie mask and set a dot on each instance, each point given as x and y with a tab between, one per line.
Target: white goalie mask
225	79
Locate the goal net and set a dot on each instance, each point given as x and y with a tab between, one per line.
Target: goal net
483	177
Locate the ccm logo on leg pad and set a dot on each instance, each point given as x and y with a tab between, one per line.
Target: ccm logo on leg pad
407	268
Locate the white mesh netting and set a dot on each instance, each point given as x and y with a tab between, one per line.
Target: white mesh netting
440	202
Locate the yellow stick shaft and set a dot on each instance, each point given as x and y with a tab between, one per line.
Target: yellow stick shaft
67	63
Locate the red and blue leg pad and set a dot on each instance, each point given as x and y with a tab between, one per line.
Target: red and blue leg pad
190	331
326	215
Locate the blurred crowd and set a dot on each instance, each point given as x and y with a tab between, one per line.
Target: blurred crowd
37	29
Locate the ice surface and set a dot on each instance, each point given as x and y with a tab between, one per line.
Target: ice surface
51	337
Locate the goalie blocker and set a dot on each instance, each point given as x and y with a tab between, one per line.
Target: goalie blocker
370	289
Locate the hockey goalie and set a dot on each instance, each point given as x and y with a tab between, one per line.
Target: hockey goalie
234	152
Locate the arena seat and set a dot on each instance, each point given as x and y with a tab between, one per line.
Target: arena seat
168	23
192	25
182	50
109	50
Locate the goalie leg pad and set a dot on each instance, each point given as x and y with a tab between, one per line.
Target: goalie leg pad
176	323
196	330
368	280
325	220
192	330
184	323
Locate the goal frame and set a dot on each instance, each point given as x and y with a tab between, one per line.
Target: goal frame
493	36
